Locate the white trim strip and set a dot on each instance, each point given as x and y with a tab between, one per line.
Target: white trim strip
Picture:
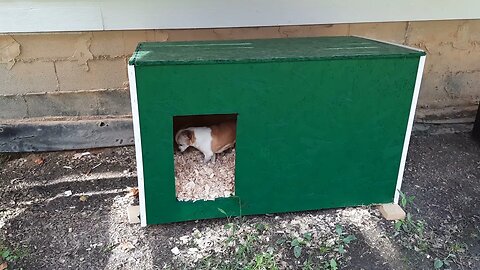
138	144
416	91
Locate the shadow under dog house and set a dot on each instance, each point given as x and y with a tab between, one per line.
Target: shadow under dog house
322	122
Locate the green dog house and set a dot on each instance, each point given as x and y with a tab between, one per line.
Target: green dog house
321	122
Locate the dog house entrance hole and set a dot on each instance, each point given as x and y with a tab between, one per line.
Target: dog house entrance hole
195	178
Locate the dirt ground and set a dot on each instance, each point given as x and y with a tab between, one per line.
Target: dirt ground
68	211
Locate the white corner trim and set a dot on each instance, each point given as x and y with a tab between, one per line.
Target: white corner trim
403	159
138	143
391	43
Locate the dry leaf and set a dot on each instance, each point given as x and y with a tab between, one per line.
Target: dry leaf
3	266
132	192
83	198
38	161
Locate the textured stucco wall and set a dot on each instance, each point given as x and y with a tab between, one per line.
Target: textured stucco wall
84	74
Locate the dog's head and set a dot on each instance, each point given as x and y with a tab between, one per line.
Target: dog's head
185	138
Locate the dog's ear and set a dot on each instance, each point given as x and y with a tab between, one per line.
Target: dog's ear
190	135
178	134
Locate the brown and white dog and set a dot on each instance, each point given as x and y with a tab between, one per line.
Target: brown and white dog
209	140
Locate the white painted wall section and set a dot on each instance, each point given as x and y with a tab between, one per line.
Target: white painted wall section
87	15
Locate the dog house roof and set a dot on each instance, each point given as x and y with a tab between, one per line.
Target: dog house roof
266	50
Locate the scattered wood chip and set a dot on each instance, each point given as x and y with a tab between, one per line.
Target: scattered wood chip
196	180
126	246
80	155
14	180
175	250
93	168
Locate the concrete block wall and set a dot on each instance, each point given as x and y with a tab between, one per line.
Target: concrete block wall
83	74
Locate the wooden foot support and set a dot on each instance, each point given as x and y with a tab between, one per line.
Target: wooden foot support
133	214
391	211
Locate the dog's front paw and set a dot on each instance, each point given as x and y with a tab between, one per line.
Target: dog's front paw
208	158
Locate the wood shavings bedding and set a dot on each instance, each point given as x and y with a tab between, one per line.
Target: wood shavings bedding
196	180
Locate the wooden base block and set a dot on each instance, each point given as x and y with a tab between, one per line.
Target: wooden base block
391	211
133	214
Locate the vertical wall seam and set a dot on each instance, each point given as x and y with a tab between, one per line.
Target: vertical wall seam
26	106
282	33
56	76
103	19
405	37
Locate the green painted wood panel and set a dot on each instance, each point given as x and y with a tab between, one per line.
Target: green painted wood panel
264	50
311	134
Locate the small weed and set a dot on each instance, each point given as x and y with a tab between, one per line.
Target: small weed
233	227
242	250
458	248
331	264
263	261
261	227
307	236
246	249
280	241
412	233
225	214
8	255
109	248
251	247
447	260
298	243
410	227
405	200
440	263
343	239
308	264
324	249
211	263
